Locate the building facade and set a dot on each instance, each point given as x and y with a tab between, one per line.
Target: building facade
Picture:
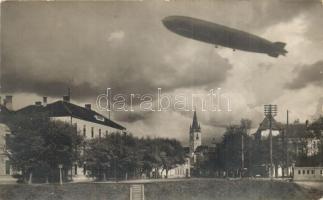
5	169
180	171
86	121
308	174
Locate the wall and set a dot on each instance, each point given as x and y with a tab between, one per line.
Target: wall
81	124
180	171
4	167
308	174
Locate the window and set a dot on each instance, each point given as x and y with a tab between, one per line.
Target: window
299	171
313	171
7	166
303	171
84	130
321	171
99	133
308	171
92	132
75	126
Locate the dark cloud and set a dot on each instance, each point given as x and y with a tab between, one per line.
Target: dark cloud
132	117
48	47
90	46
308	75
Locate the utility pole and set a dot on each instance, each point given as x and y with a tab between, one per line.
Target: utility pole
242	154
109	102
270	112
286	136
60	166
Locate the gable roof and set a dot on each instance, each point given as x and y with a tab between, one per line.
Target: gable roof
265	124
64	108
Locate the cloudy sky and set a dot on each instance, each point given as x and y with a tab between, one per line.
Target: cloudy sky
91	46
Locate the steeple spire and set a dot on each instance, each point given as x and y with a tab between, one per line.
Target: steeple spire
195	125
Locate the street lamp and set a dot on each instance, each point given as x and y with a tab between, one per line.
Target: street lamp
270	113
60	166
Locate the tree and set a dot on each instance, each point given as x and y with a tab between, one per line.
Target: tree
126	156
234	148
171	154
37	145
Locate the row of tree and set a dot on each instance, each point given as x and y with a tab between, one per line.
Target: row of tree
122	155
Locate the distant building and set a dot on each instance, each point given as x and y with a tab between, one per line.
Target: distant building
308	174
295	140
180	171
195	136
262	132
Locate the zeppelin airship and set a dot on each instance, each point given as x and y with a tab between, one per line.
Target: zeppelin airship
217	34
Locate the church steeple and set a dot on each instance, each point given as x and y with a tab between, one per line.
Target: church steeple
195	134
195	125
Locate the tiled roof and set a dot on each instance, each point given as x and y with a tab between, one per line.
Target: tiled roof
64	108
297	130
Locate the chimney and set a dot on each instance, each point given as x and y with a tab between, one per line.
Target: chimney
8	102
66	98
45	101
38	103
88	106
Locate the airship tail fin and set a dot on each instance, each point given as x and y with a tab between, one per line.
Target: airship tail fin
280	44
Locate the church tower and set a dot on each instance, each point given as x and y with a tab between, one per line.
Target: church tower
195	134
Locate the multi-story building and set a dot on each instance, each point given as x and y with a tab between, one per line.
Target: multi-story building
87	122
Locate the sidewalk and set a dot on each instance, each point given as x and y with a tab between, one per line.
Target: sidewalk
7	180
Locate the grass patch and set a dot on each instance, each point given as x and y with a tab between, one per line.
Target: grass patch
190	189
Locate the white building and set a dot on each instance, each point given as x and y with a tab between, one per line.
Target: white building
87	122
180	171
308	174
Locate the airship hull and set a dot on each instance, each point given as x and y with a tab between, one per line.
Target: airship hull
221	35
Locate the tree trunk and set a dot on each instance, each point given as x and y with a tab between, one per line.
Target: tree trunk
30	180
276	171
166	173
161	173
104	176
